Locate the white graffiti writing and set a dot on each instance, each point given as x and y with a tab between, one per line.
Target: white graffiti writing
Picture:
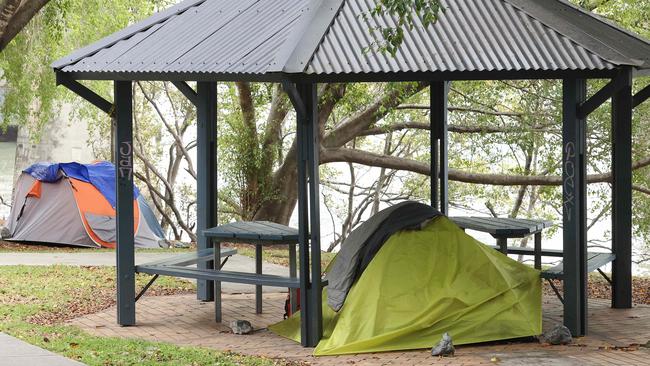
125	161
569	179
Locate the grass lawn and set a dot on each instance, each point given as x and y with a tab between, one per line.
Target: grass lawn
35	302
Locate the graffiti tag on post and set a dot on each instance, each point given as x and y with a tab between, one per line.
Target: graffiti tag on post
569	179
125	161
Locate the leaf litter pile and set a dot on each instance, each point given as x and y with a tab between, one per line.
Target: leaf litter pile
599	288
54	294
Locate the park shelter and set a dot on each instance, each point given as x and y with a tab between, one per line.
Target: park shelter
301	43
74	204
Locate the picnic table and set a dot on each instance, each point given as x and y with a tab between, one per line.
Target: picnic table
260	234
504	228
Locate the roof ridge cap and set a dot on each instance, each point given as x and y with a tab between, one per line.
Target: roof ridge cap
615	57
612	24
137	27
295	57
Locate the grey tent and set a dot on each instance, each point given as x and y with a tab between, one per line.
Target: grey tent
70	204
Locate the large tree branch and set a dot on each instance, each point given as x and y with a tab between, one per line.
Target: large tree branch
452	128
7	11
352	126
278	112
330	96
247	106
391	162
463	109
522	189
19	20
641	189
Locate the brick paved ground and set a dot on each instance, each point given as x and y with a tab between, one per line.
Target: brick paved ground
183	320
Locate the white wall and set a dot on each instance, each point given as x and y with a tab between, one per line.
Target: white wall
7	153
62	140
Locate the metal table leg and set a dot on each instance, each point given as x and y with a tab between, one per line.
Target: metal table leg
258	270
538	250
293	273
217	284
502	243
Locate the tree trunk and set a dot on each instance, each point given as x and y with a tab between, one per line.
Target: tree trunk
13	19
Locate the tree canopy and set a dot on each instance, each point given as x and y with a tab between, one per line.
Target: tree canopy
31	95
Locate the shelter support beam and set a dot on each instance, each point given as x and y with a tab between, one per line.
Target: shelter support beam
622	103
641	96
87	94
574	207
206	192
439	91
187	91
304	97
588	106
124	207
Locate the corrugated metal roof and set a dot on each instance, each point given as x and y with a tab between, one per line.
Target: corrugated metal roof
211	36
327	37
470	35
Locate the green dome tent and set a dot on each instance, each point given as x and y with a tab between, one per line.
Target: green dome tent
423	283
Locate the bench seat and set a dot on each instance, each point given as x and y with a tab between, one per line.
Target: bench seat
222	276
186	259
531	251
594	262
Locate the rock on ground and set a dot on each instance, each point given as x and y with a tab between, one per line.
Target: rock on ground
444	348
558	335
241	326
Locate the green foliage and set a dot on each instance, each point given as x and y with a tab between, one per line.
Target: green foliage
241	156
407	13
32	97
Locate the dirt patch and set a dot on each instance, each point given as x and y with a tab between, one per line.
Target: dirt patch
102	300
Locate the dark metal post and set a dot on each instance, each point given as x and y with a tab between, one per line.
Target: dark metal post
303	225
258	270
217	284
206	192
124	199
538	250
293	273
305	100
310	97
574	207
622	193
502	243
439	91
434	140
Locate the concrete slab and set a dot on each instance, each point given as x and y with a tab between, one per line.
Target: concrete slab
18	353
